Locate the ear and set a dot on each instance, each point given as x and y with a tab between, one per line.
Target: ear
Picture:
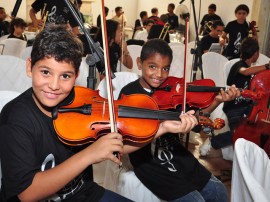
28	68
139	63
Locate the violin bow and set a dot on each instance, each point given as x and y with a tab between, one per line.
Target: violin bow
108	70
122	38
185	66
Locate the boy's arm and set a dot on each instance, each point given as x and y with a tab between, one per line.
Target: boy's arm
223	96
187	122
253	70
48	182
126	58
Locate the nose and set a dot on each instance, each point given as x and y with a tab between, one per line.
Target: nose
54	83
159	72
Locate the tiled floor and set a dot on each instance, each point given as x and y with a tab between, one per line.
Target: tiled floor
213	162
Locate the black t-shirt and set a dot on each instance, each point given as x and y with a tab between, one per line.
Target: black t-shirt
3	28
237	32
155	32
22	37
207	18
173	21
240	81
164	166
115	54
29	144
207	41
59	13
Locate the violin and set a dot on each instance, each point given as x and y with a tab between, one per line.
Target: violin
256	126
90	118
200	93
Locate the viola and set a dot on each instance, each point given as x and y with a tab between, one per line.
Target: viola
86	118
200	93
256	126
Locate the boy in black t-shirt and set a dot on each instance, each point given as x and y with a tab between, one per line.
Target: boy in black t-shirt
213	36
164	166
238	30
17	27
240	75
36	165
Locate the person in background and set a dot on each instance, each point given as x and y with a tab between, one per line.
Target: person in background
208	19
154	15
119	16
4	25
99	17
165	166
172	18
143	35
140	23
240	75
238	30
213	37
79	5
159	27
17	27
58	13
117	47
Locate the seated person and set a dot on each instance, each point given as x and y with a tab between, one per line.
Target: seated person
159	30
143	35
140	23
164	166
213	36
240	75
3	24
154	16
17	27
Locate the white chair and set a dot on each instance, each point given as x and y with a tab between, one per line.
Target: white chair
250	173
4	37
177	65
5	97
84	72
213	67
13	74
122	181
263	59
13	46
227	67
135	52
26	53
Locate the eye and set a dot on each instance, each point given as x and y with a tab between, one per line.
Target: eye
166	69
66	76
45	72
152	66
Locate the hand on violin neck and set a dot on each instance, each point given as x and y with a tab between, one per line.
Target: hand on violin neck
187	121
228	95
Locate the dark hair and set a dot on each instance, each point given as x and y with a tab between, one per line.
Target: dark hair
154	46
212	6
79	1
217	23
106	10
111	29
172	5
55	41
243	7
154	10
16	22
118	8
249	46
142	14
164	18
149	21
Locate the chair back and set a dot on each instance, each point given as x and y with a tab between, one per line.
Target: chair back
121	79
251	173
227	68
213	67
135	51
263	59
13	73
26	53
177	65
14	47
5	97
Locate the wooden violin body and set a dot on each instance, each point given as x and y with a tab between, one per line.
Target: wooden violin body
137	118
256	126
